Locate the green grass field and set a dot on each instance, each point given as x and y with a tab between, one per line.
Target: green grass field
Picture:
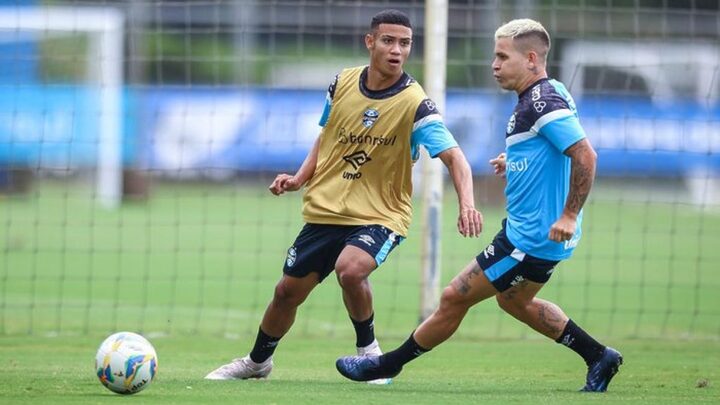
193	268
60	371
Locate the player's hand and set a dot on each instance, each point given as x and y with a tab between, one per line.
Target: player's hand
499	164
470	222
284	182
563	229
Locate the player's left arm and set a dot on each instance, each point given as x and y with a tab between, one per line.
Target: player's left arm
559	124
582	174
470	220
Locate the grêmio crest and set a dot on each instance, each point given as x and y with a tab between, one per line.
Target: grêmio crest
369	117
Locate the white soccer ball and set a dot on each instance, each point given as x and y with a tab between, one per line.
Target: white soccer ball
126	363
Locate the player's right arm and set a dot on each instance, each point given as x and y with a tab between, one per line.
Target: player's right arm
285	182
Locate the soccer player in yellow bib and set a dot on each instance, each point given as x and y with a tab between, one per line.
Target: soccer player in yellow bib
357	203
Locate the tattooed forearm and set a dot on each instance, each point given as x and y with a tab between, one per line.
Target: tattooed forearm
582	174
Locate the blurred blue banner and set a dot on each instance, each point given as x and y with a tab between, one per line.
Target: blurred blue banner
44	126
262	129
249	130
181	130
57	126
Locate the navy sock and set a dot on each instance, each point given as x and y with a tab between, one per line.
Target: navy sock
265	346
364	331
408	351
579	341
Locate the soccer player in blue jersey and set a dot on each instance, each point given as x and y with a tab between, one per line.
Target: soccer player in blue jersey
358	190
550	167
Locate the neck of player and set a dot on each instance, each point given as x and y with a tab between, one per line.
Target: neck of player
530	79
377	81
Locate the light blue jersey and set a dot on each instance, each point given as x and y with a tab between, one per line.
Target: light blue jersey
544	124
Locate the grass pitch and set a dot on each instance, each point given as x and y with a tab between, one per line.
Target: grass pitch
60	371
194	267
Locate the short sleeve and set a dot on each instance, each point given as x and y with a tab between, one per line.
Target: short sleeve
561	127
328	101
430	131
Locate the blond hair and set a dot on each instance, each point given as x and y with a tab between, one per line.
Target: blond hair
525	28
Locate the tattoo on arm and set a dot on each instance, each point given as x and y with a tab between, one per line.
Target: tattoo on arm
582	175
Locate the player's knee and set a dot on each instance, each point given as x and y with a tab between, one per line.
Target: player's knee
352	274
350	279
511	305
287	296
451	299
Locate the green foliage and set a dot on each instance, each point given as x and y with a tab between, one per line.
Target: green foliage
181	58
64	58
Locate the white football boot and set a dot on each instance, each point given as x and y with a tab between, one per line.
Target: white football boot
242	369
373	349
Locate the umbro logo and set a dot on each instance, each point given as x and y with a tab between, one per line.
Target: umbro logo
367	239
489	251
357	159
567	340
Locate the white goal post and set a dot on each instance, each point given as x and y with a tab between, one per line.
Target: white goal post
106	29
435	70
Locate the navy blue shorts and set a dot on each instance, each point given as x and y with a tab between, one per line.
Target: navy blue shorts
317	247
505	265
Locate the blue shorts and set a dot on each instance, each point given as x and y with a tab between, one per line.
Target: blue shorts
317	247
505	265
